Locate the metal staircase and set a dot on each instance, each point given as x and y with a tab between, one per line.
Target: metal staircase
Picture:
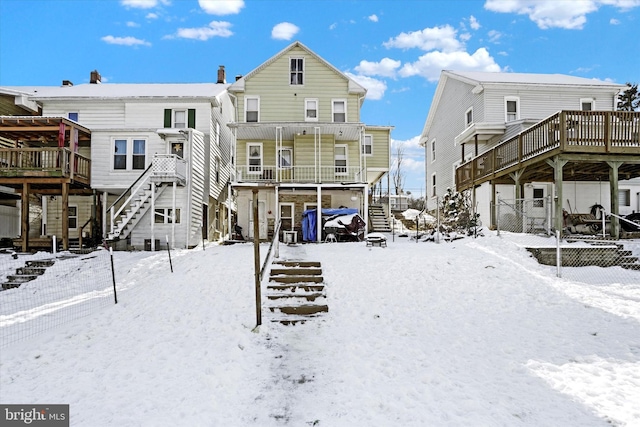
378	220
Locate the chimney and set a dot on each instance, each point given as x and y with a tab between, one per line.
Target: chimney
238	77
222	78
67	83
95	77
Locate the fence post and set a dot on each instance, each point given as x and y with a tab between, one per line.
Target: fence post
498	217
113	276
558	255
169	251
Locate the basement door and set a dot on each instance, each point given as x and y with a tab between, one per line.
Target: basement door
262	220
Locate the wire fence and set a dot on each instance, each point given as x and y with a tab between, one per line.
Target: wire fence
42	291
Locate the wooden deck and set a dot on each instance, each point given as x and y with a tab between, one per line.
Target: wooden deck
587	140
43	164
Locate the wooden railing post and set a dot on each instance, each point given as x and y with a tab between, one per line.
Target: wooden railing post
563	129
607	130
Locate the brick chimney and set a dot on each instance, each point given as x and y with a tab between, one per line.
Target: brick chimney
96	78
222	78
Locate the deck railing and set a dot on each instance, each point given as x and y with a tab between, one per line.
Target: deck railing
616	132
44	163
299	174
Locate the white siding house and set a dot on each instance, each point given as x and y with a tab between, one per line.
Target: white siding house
492	133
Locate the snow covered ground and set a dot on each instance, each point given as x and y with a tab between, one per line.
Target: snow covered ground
469	333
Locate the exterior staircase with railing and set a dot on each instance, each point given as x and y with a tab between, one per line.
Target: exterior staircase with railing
378	219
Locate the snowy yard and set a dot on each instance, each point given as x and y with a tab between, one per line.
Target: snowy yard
469	333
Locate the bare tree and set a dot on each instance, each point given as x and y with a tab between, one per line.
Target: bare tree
397	174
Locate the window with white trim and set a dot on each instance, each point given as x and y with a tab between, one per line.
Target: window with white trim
180	119
252	109
339	110
254	158
511	108
586	104
285	158
340	159
129	154
468	117
73	217
433	150
434	191
296	71
165	216
286	215
311	110
367	145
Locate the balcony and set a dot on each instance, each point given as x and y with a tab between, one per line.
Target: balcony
168	168
42	164
300	174
587	139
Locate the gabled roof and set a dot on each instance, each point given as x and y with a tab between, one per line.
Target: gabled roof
238	86
120	91
480	77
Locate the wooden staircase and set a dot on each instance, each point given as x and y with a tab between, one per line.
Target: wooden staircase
295	292
31	270
378	220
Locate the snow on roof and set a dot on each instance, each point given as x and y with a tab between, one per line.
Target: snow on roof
123	90
530	78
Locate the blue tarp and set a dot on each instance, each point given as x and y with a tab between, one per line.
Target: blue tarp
310	220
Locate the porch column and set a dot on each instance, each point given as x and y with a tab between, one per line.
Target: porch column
65	216
153	217
43	229
105	201
319	214
229	214
365	189
173	216
518	202
277	212
24	226
557	164
615	200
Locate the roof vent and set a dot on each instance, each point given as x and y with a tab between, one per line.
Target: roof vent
95	77
67	83
238	77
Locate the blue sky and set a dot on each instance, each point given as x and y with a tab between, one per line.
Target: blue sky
395	48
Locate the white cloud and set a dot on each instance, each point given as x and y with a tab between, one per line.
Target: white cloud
132	24
473	22
386	67
373	18
375	88
143	4
428	39
413	154
284	31
465	37
152	15
546	14
214	29
430	64
614	21
333	26
221	7
125	41
494	36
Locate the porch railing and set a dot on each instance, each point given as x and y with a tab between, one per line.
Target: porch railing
44	163
299	174
168	168
615	132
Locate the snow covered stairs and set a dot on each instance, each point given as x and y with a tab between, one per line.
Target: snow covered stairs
29	272
295	292
378	219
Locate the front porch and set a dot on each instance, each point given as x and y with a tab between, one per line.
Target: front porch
570	145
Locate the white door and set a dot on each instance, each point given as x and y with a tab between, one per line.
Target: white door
262	220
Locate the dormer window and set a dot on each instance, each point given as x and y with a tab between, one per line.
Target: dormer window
296	71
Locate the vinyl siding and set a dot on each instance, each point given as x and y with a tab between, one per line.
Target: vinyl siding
380	157
94	114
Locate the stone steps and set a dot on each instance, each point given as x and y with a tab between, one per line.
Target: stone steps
31	271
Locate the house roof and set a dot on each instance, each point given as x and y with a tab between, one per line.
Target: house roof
479	77
120	91
238	86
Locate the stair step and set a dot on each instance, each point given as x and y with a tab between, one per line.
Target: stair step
298	263
302	310
289	296
40	263
296	271
10	285
293	287
37	271
296	279
21	278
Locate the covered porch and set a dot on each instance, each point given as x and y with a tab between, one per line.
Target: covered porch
42	156
570	145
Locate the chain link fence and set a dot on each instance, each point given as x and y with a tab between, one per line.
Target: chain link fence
42	291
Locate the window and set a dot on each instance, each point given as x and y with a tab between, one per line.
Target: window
120	154
129	154
252	109
586	104
286	215
512	108
624	197
165	216
367	145
433	150
296	71
73	217
468	116
311	110
339	111
180	118
285	156
340	159
254	158
216	169
433	186
538	197
139	153
73	116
